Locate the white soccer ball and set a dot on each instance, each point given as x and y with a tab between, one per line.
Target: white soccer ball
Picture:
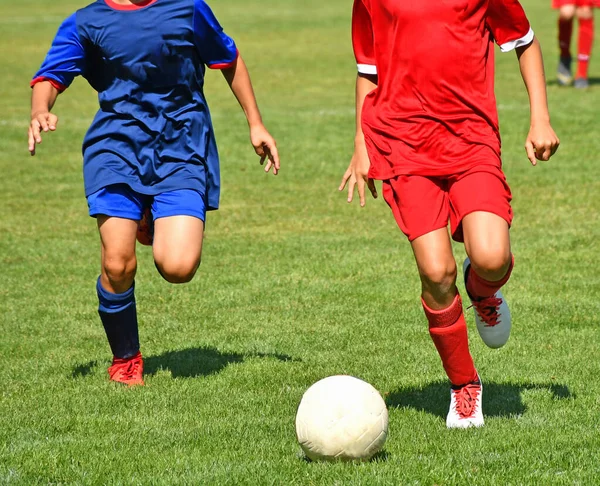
341	418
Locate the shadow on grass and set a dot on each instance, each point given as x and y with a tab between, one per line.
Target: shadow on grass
381	456
188	363
500	399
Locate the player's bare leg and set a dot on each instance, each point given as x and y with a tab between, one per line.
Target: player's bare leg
117	299
566	15
447	326
486	270
178	247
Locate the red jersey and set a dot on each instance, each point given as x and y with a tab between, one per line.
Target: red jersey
433	112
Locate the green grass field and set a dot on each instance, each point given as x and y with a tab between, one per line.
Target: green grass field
295	285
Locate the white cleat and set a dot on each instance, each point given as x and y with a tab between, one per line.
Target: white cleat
492	316
465	406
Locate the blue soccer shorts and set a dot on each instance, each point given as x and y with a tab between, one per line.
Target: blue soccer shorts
119	200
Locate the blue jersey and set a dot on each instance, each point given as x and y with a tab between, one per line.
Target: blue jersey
147	62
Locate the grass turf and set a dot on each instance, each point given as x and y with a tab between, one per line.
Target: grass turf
295	285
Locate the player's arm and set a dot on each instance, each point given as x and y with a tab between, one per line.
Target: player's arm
364	52
218	51
65	60
238	78
357	173
43	97
541	141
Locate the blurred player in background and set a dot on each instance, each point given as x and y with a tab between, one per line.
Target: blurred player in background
584	11
427	126
150	152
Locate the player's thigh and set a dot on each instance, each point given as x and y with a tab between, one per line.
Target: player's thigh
177	245
434	257
117	210
117	236
178	232
119	264
419	204
481	216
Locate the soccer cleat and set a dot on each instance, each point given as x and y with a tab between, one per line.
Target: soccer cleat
492	315
145	231
127	370
581	83
465	406
563	73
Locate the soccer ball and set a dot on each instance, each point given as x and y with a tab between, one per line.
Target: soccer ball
341	418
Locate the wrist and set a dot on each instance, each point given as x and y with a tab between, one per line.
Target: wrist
255	121
539	120
359	141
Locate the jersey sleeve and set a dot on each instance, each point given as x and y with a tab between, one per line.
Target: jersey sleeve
217	50
509	25
362	39
65	59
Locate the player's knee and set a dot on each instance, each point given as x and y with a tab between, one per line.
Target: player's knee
491	263
567	12
438	275
584	13
120	270
178	271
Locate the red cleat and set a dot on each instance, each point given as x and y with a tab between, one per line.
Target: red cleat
145	232
127	370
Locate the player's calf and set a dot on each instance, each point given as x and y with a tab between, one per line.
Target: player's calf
492	315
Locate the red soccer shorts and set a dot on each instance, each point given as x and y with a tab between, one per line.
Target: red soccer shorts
424	204
577	3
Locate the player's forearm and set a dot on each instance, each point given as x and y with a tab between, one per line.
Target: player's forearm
365	83
532	70
43	97
238	79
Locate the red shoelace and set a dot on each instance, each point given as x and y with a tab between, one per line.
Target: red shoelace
466	399
488	310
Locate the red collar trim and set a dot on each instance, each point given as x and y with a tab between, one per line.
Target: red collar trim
131	6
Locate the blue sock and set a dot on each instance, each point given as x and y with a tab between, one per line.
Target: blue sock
119	318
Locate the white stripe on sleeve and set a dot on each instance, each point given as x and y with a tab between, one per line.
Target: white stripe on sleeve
367	69
523	41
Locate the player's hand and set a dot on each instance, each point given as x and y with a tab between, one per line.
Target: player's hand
40	122
265	147
541	143
357	175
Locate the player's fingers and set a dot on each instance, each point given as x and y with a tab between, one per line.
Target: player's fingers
547	153
43	121
31	141
268	166
35	130
351	185
530	152
274	154
260	151
345	178
274	163
372	188
360	182
52	121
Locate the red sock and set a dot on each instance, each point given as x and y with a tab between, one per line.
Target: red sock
586	40
448	331
565	31
479	288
